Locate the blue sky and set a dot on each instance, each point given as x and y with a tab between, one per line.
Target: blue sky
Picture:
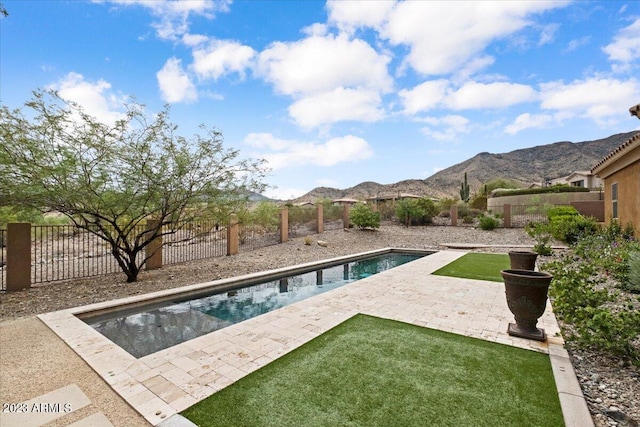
339	92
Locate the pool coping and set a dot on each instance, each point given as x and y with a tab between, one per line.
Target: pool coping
164	383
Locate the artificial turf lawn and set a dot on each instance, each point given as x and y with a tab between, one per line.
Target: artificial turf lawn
477	266
369	371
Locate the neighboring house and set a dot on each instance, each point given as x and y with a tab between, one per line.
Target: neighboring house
344	201
579	179
393	197
620	171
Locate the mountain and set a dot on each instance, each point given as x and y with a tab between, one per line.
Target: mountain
528	165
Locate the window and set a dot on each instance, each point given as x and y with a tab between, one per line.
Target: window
614	200
578	183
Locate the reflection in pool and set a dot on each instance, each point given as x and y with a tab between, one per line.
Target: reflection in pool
151	329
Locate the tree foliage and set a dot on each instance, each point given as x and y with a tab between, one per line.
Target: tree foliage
110	178
362	216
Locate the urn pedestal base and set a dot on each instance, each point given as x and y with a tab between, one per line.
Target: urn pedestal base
537	334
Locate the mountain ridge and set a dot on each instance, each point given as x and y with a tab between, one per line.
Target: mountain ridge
524	166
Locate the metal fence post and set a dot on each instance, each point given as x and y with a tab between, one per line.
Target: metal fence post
154	248
232	235
18	256
284	225
320	218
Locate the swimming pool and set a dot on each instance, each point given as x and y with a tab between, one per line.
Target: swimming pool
150	328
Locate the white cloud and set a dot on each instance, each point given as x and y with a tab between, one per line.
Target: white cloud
338	105
284	193
445	128
175	84
222	57
97	99
602	100
527	121
625	47
424	97
321	64
288	153
173	15
473	95
350	15
442	36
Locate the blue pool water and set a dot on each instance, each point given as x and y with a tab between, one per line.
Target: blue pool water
154	328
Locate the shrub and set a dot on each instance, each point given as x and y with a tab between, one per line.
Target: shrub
468	219
489	222
415	212
266	214
479	202
544	190
569	228
633	280
429	208
541	233
561	211
446	203
363	216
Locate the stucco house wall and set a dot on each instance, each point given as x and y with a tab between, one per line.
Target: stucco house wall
620	171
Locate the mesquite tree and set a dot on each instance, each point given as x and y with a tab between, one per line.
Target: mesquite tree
109	179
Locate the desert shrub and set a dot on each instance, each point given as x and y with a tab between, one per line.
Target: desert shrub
301	214
463	210
541	233
633	280
331	212
409	212
266	214
479	202
569	228
597	320
446	203
416	212
544	190
387	211
488	222
444	214
362	216
561	211
468	219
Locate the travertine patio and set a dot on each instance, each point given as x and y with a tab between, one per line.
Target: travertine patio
167	382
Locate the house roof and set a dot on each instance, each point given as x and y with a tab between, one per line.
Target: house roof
626	147
635	111
344	200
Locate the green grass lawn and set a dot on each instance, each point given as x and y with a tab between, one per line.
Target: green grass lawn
369	371
477	266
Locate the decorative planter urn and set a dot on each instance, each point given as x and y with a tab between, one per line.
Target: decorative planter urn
526	293
523	260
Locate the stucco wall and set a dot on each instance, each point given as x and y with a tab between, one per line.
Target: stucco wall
628	180
540	199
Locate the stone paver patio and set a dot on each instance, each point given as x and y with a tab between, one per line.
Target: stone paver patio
167	382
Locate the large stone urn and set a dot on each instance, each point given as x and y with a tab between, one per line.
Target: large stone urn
523	260
526	293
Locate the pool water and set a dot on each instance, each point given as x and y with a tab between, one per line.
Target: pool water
161	326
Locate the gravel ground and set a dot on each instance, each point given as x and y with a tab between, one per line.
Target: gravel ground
611	387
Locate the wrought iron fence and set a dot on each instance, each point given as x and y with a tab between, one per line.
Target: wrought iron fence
62	252
3	238
521	215
193	241
254	236
302	221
